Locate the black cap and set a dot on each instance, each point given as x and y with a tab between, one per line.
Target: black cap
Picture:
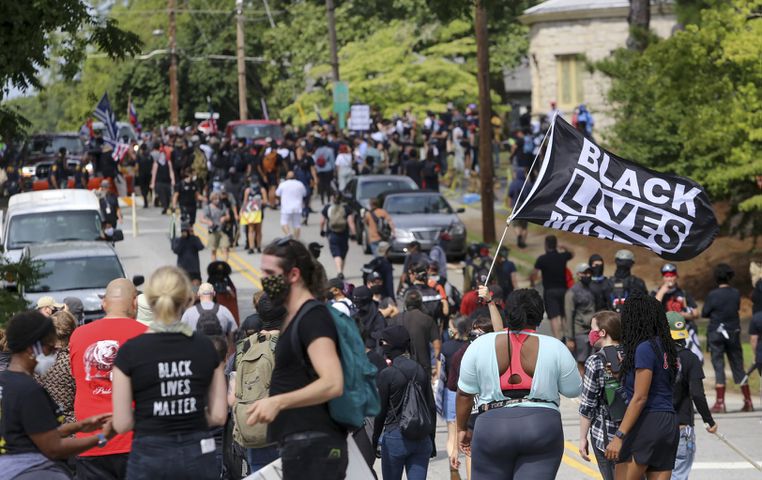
336	283
594	258
361	294
396	336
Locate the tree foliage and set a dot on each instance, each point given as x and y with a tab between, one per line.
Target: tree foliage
33	30
23	275
295	58
692	104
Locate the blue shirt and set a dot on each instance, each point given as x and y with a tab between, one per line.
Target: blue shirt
555	372
660	393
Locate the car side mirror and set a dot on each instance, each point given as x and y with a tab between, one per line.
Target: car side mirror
118	235
460	210
138	280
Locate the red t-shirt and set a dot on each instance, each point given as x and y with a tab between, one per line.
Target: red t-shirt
469	302
92	350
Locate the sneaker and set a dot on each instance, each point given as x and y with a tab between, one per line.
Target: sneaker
340	276
250	251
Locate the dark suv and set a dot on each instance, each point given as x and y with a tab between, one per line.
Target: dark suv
41	150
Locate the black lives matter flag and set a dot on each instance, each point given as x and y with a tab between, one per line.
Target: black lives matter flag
584	189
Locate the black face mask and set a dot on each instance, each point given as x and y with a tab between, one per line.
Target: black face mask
585	280
377	289
276	287
597	270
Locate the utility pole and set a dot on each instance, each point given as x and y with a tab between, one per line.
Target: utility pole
485	124
242	108
174	115
332	39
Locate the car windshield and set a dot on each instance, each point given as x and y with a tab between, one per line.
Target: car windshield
416	204
49	227
375	188
51	145
258	131
77	274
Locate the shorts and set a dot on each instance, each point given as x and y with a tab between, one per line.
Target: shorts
554	301
448	412
218	240
582	348
338	244
653	441
293	220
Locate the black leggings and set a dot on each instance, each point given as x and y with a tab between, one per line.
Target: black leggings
720	346
517	443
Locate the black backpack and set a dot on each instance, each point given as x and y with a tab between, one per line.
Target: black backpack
208	321
415	417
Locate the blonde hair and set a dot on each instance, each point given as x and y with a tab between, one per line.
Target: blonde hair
168	293
65	324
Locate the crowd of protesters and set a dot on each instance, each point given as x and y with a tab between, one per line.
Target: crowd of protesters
171	373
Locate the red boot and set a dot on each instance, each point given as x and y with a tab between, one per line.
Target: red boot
719	404
747	406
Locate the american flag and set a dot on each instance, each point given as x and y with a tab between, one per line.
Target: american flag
105	114
119	151
132	114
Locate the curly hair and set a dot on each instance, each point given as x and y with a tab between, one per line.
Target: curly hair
524	308
644	320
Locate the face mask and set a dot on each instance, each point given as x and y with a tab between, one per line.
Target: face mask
276	288
377	289
44	362
598	271
585	280
593	337
435	278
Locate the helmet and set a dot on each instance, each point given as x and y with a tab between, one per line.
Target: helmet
473	250
624	255
669	268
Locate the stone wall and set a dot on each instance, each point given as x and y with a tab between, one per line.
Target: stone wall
595	39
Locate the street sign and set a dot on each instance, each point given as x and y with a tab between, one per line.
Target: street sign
359	119
341	101
205	115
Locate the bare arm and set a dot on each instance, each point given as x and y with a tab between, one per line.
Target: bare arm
154	169
584	428
533	277
328	385
231	390
217	408
121	398
753	339
494	313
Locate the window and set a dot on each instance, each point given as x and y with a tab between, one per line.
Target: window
571	90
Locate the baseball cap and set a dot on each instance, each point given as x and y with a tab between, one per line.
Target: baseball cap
383	247
205	289
582	268
49	302
374	275
677	326
624	255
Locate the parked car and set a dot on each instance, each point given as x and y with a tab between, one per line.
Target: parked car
76	269
255	130
360	190
40	151
47	217
423	216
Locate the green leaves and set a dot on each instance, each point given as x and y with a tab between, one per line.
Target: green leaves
22	275
692	103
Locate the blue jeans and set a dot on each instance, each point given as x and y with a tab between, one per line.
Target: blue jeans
398	453
259	458
374	248
686	452
175	456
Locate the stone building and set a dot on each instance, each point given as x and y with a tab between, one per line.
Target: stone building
565	35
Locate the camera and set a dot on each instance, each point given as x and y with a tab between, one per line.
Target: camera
214	229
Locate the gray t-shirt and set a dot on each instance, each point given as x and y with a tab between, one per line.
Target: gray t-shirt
190	317
214	214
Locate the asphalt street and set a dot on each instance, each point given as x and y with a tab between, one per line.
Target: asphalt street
150	249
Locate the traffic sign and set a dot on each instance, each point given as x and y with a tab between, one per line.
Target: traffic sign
341	101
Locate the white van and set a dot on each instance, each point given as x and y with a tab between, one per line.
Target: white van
49	216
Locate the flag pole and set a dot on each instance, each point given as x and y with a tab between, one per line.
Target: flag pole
736	449
510	217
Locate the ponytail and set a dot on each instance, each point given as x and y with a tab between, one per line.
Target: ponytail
168	293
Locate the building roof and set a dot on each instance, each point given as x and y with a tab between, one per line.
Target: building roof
579	9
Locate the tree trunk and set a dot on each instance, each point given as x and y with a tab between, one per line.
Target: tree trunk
485	126
639	20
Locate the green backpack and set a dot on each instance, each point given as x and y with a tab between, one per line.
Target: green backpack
254	362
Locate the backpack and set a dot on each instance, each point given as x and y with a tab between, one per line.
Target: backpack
208	321
360	398
337	220
254	363
270	162
382	226
415	417
321	161
614	396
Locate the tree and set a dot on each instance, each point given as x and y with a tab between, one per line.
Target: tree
32	30
22	275
639	20
692	104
